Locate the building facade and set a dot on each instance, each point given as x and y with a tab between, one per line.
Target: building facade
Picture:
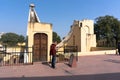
39	37
81	35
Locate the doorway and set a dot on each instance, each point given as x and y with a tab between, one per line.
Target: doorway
40	47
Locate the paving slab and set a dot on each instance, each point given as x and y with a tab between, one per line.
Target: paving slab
86	65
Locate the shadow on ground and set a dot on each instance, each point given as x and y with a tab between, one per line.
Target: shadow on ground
107	76
47	63
112	60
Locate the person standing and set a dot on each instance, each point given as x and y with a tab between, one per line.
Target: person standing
53	54
119	48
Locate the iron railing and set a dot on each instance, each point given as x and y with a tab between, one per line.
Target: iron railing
64	56
15	56
71	50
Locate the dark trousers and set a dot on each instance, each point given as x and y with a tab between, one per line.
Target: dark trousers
119	51
53	61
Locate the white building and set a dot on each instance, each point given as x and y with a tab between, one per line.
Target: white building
81	35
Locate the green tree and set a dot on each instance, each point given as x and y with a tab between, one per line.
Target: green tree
56	37
21	39
11	39
107	27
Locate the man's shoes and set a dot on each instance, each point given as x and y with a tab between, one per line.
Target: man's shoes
53	67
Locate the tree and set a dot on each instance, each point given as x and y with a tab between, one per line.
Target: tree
21	39
56	37
11	39
107	27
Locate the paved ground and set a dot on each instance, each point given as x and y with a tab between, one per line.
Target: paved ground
95	67
111	76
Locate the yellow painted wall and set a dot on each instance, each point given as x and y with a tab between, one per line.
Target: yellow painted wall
81	35
75	37
34	28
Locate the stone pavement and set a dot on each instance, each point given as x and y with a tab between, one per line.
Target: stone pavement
86	65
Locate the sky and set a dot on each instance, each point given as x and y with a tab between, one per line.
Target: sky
60	13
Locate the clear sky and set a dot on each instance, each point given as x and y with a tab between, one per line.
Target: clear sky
61	13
